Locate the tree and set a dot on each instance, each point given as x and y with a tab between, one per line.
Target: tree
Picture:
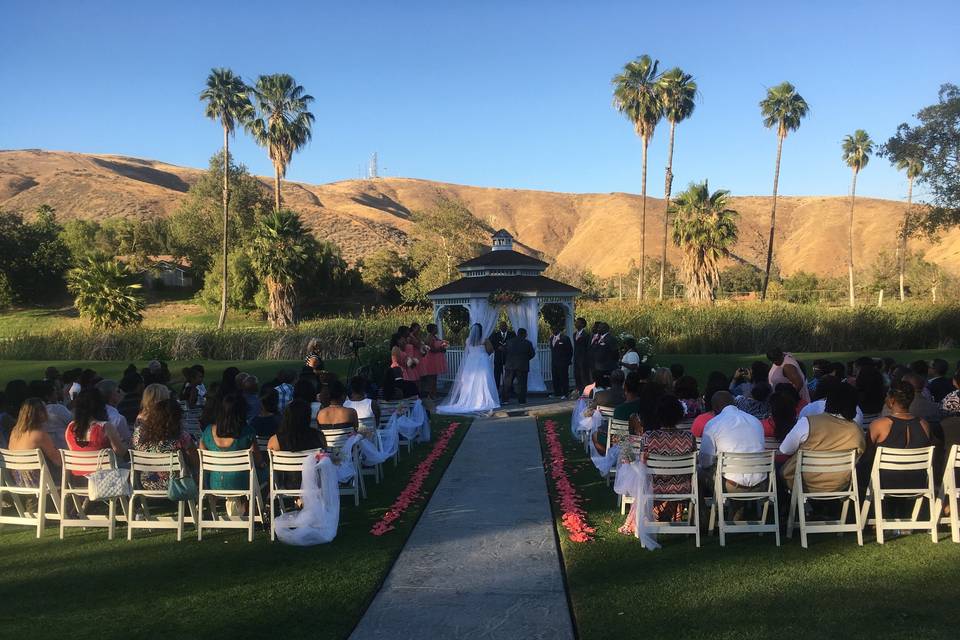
678	94
636	94
280	250
33	258
245	291
801	287
783	108
227	100
704	228
283	123
856	153
914	168
385	271
741	278
106	293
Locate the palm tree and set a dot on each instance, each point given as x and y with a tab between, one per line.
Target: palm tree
106	292
856	153
678	93
704	228
914	167
636	95
281	249
783	108
283	123
228	101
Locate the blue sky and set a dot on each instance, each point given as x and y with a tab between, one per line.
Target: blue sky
506	94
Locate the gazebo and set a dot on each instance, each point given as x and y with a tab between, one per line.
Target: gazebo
512	281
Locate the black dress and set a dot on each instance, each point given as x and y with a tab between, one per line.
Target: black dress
905	434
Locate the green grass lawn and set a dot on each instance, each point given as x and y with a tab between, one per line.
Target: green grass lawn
88	587
751	589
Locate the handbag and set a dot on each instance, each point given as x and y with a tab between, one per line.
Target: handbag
106	484
181	489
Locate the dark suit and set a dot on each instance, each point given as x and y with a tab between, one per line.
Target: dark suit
518	352
581	363
605	353
499	341
561	355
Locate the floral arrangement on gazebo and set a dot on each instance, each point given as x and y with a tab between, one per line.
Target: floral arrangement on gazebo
503	296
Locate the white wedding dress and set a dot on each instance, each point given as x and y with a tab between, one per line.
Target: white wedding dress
474	390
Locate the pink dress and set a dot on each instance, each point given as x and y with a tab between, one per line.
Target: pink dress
435	362
777	376
410	374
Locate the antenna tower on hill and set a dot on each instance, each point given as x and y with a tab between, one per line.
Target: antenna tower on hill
372	168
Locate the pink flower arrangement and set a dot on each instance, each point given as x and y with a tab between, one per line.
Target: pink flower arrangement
411	492
574	517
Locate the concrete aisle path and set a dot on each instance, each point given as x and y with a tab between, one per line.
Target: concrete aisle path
482	561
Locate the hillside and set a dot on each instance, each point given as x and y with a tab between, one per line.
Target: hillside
598	231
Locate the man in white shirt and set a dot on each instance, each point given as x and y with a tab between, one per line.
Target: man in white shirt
735	431
112	395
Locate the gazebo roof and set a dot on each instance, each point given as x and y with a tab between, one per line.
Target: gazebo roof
504	258
489	284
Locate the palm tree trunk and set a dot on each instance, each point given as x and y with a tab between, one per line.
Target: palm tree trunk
853	199
283	302
773	221
226	207
643	224
902	246
667	187
276	187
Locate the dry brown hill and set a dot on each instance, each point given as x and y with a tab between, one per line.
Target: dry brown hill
599	231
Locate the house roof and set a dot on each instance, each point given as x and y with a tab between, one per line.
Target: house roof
503	258
489	284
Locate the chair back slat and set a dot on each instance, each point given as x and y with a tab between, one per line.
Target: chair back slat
771	444
746	463
606	412
826	461
226	461
891	459
154	461
387	409
289	460
660	465
617	430
21	459
87	461
337	438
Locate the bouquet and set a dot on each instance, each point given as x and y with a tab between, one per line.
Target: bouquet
424	349
412	362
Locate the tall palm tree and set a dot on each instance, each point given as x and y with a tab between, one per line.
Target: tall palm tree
705	229
783	108
914	167
636	95
856	153
228	101
678	93
280	254
283	123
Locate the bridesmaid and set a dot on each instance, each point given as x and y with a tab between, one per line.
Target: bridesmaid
434	362
408	360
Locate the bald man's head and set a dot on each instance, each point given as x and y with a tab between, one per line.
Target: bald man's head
721	400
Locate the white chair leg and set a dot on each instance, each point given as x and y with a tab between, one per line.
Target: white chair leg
934	518
791	519
843	514
802	514
878	517
857	519
113	519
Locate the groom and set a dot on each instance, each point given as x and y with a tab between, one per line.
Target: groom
518	353
499	340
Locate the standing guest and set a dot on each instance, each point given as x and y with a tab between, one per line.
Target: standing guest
411	359
518	353
630	360
686	391
757	403
434	363
295	433
605	351
268	414
132	387
90	430
112	396
314	358
581	363
29	433
786	368
939	385
190	395
735	431
366	407
561	355
336	415
499	339
396	385
162	432
58	416
716	381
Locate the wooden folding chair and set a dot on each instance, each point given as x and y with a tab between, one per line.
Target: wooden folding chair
729	463
71	487
890	459
816	462
336	442
140	517
240	462
617	432
28	462
284	462
950	493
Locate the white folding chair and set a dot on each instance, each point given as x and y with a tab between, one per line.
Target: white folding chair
890	459
140	517
284	462
375	470
336	440
75	489
729	463
950	493
606	415
387	409
685	425
817	462
240	462
617	432
771	444
28	462
658	465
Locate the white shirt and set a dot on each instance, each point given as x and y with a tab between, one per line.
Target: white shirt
118	421
630	357
732	431
796	437
364	408
820	406
58	417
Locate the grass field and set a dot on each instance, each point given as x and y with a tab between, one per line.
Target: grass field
906	588
88	587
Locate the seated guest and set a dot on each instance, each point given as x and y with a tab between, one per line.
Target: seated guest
686	391
335	415
631	405
731	430
305	389
833	430
112	395
663	377
950	405
295	431
716	381
921	368
268	416
366	408
783	415
677	371
231	432
741	383
162	432
132	387
940	384
757	403
601	381
14	395
90	430
190	394
819	404
613	395
58	416
871	394
152	396
284	389
251	394
921	406
29	433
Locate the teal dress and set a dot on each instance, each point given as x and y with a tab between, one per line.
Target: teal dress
229	480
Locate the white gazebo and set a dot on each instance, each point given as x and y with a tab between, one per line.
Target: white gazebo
514	282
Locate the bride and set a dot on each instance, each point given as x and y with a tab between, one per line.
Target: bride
474	390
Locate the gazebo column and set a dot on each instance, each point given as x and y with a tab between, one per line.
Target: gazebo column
437	320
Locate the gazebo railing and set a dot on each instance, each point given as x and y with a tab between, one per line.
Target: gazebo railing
455	357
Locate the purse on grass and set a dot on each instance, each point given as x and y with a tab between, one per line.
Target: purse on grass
105	484
180	489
